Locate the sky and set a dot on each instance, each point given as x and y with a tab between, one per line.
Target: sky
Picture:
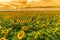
5	0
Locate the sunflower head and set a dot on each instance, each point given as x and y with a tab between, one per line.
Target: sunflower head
17	20
37	22
37	33
55	30
5	31
20	35
12	21
2	38
24	27
0	27
23	21
58	24
43	25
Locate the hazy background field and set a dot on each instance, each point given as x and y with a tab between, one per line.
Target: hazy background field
15	13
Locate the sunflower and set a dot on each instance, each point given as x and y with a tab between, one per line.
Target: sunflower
12	21
5	31
57	24
24	27
43	25
37	22
0	27
21	35
2	38
23	21
37	33
17	20
55	30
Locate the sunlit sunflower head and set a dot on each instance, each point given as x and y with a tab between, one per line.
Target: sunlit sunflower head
37	22
17	20
5	31
20	35
3	38
24	27
57	24
37	33
43	25
0	27
55	30
23	21
12	21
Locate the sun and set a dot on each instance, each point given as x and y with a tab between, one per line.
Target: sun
5	1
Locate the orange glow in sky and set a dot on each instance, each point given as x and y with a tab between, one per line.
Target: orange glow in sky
5	1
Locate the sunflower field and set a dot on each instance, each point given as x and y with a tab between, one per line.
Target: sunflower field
29	26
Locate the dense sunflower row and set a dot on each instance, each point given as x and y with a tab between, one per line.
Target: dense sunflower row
30	27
